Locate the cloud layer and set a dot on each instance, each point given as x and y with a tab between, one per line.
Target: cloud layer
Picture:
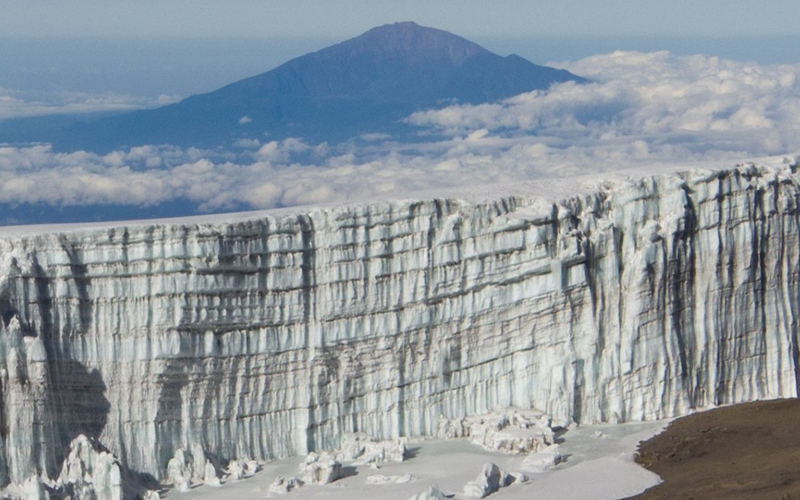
640	109
18	104
698	104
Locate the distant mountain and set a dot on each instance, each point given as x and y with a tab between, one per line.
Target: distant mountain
365	84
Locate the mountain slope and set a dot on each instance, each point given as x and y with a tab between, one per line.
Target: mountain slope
365	84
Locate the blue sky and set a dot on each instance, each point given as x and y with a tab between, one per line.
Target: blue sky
227	18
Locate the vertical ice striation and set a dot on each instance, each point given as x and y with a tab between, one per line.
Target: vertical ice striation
276	336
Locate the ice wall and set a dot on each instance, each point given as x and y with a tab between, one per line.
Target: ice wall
273	336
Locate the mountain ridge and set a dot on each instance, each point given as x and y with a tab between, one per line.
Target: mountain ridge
365	84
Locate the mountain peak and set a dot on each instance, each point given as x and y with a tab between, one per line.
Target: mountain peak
367	84
409	38
399	27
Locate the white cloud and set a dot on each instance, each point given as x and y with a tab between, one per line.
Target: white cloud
19	104
706	104
374	137
247	143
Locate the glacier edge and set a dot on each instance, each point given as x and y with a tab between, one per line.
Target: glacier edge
274	336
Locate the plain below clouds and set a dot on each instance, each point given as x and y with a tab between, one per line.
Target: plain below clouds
640	109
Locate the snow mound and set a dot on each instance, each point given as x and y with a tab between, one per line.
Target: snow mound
240	469
283	485
210	475
320	469
543	460
381	479
511	431
431	493
90	473
180	471
365	449
490	480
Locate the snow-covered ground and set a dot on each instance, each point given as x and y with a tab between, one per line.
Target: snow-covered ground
599	466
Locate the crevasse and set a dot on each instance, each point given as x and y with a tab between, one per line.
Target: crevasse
274	336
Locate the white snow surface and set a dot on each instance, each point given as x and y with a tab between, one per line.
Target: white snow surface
596	468
234	339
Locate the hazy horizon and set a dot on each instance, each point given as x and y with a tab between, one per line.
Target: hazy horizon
343	18
144	68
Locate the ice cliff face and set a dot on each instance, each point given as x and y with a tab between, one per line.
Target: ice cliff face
276	336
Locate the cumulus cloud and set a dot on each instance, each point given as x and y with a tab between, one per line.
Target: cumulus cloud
704	104
640	109
151	175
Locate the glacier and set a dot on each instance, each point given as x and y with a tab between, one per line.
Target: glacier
223	341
